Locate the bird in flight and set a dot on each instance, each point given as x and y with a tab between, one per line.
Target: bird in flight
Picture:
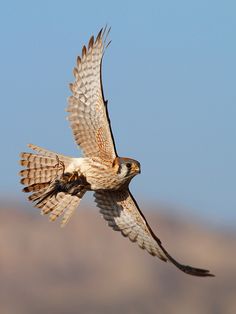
57	183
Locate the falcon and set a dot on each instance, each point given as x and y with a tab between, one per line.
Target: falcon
57	183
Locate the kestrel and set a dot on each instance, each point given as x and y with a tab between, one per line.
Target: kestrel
57	183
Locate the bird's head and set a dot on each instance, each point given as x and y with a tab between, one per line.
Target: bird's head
126	167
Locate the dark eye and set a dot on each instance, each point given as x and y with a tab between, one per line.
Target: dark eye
128	165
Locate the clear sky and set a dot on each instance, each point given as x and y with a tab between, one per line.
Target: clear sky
169	75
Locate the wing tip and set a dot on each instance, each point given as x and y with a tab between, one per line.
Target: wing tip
99	35
91	42
199	272
194	271
78	61
84	51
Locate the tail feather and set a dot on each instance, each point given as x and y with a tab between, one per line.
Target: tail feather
35	180
64	200
48	153
30	160
36	175
42	168
49	204
35	187
35	196
38	172
71	208
59	209
43	176
60	204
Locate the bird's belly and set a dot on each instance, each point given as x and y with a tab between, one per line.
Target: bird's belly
104	183
100	176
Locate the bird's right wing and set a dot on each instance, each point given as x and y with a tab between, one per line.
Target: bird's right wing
121	211
87	107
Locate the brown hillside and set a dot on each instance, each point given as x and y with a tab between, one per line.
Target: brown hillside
88	268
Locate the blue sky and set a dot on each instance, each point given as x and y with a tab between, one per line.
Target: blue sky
169	75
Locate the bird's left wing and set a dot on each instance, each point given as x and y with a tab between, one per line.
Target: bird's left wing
87	107
121	211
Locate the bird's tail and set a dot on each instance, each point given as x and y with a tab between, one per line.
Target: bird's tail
41	176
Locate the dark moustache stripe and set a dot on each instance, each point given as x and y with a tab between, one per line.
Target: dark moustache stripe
119	169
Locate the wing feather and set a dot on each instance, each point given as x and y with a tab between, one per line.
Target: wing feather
121	211
87	107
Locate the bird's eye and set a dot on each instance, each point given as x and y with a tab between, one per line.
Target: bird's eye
128	165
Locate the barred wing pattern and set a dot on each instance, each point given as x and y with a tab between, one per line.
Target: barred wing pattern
87	108
121	211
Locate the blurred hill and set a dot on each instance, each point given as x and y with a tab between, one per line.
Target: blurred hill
88	268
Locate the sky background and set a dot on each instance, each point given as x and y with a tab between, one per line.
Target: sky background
169	75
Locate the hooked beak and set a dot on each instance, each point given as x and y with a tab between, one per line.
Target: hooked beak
138	168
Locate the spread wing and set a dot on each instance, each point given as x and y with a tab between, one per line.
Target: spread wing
87	107
121	211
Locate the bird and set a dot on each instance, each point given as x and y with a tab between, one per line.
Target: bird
57	183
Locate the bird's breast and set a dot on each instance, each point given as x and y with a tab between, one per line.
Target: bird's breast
98	174
102	176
